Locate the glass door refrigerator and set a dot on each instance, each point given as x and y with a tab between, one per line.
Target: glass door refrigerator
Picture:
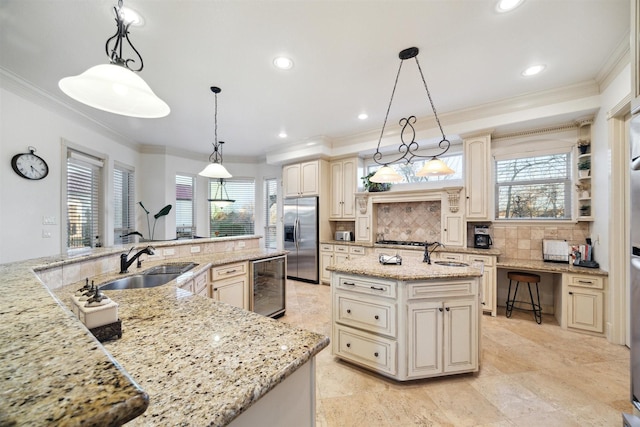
268	280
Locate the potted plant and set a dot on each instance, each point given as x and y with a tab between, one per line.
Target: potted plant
583	189
374	186
584	167
585	210
583	145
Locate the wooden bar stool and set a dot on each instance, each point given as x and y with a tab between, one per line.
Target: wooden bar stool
527	278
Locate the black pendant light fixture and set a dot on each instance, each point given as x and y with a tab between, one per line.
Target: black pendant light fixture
115	87
215	169
407	150
221	198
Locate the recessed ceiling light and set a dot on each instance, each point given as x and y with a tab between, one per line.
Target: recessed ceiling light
282	134
533	70
507	5
363	116
283	63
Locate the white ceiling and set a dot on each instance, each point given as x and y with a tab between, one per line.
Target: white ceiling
345	54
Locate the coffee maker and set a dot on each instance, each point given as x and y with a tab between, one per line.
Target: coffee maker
481	237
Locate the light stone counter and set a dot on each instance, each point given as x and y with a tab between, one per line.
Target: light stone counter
201	362
411	269
550	267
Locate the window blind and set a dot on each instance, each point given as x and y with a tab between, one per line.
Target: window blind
123	205
83	201
236	219
184	206
271	213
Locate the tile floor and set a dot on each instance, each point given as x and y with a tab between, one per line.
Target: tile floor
531	375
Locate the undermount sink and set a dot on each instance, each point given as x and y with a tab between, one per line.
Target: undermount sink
451	263
154	276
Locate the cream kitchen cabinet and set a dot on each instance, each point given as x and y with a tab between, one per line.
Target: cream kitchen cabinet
477	178
335	254
326	259
344	184
230	284
197	285
301	179
489	281
453	230
363	228
584	302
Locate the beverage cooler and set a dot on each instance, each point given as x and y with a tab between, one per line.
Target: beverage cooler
268	280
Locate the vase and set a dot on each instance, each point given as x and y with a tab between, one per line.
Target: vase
583	173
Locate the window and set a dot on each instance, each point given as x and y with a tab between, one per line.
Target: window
534	187
237	218
408	172
185	224
123	205
271	213
84	195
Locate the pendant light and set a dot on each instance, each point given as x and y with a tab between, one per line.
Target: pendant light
115	87
221	198
215	169
434	166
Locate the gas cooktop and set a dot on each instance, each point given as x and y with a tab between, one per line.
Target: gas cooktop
401	242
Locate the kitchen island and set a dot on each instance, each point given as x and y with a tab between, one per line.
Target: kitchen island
408	321
183	359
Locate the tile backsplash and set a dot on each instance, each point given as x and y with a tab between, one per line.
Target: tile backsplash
416	221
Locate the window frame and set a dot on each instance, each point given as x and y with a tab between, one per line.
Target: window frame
130	205
221	211
193	206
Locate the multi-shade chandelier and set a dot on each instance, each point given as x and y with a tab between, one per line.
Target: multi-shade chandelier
115	87
407	150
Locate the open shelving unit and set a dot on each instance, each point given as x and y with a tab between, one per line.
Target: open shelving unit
584	166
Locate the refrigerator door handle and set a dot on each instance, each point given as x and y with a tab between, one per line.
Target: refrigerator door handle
296	233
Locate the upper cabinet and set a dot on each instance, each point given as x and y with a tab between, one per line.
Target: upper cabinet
477	178
344	184
301	179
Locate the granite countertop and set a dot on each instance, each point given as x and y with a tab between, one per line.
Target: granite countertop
190	359
449	249
551	267
411	269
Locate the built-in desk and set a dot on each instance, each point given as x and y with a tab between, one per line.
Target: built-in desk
578	292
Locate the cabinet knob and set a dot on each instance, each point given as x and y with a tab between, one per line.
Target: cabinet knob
349	311
570	293
215	289
375	354
440	309
349	345
447	308
376	317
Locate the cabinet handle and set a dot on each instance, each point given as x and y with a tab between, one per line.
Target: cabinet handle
570	293
348	345
377	289
375	354
231	271
376	317
348	283
484	303
586	282
448	308
440	309
215	289
348	311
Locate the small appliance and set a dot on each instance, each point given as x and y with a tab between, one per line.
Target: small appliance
481	237
343	235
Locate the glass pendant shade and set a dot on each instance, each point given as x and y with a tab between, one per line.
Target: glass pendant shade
215	170
221	198
386	174
435	167
116	89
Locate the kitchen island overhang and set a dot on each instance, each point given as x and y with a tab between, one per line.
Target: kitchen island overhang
408	321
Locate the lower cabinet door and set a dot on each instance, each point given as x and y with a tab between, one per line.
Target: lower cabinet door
367	349
326	259
232	291
424	325
585	309
460	336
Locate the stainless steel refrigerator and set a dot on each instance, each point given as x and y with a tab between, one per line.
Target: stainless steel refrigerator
301	238
635	260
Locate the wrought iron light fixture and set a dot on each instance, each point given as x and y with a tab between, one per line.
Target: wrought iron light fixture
221	198
115	87
215	169
434	166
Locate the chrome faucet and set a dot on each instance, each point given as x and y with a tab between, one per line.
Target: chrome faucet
427	253
125	263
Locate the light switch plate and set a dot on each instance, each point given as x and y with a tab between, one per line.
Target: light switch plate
48	220
169	252
195	249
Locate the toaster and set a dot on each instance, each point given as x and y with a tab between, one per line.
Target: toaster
343	235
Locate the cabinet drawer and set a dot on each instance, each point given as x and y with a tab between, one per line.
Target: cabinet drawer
586	282
439	290
325	247
449	256
486	259
200	285
371	287
228	270
370	315
357	250
341	248
376	352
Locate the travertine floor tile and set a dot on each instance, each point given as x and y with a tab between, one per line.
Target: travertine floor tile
530	375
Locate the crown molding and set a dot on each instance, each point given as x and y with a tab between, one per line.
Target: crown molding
615	63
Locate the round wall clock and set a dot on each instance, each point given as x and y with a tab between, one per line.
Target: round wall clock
30	166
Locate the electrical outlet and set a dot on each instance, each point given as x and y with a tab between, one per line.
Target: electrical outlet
169	252
241	244
48	220
195	249
46	234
